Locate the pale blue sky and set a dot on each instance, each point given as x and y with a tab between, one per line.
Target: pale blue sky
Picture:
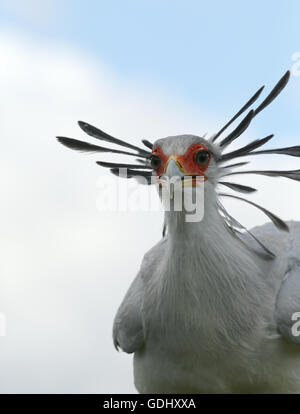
211	53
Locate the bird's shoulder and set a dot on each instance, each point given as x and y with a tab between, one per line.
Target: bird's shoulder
282	244
279	241
151	258
286	246
287	307
128	333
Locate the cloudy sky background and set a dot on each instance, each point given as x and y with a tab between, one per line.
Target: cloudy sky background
136	69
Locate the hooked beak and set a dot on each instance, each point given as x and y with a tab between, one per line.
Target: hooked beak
173	168
175	177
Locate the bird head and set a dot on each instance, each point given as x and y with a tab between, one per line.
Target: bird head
185	156
181	165
197	158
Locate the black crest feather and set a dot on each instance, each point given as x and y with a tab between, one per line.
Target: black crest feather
280	224
142	167
98	134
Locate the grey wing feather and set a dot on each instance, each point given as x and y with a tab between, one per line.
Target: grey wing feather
128	329
288	303
285	272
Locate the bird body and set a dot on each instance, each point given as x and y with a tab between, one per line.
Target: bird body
207	314
213	307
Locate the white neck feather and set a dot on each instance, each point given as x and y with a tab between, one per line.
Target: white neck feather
207	268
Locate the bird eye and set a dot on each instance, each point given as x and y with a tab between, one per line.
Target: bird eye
202	157
155	161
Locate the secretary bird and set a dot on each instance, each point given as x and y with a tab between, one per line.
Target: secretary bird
213	306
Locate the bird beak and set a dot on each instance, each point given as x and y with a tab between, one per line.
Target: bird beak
175	172
172	177
173	168
175	177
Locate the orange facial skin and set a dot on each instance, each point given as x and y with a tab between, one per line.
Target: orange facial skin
185	162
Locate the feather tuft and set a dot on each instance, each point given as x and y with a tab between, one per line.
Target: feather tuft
98	134
280	224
